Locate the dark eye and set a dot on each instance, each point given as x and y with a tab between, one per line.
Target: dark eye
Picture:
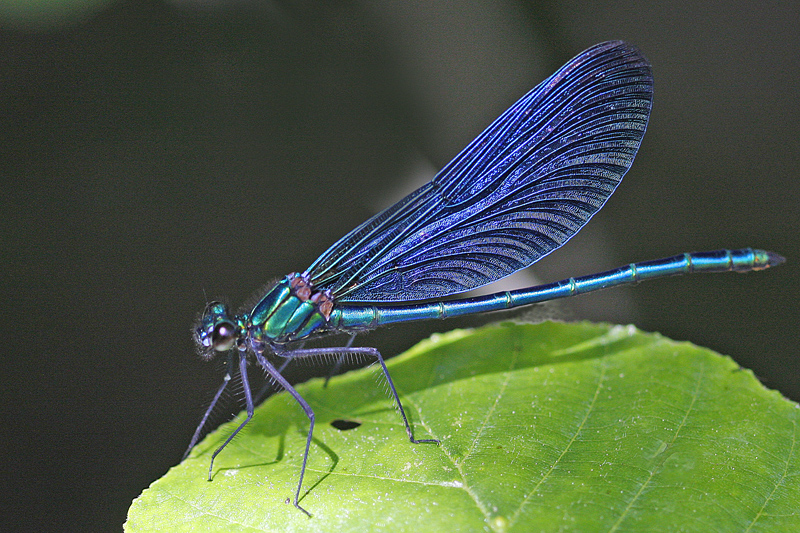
223	336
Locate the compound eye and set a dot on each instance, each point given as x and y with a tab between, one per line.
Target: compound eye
223	336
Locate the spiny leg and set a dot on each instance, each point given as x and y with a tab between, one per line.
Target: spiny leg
199	429
264	362
268	385
366	351
339	362
248	398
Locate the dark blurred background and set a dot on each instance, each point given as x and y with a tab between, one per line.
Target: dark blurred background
155	154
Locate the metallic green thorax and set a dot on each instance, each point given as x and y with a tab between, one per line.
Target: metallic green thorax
291	310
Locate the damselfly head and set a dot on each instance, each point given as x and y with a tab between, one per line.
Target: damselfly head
215	331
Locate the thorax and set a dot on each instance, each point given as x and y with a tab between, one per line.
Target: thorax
291	310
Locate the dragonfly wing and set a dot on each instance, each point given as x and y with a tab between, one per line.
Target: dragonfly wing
520	190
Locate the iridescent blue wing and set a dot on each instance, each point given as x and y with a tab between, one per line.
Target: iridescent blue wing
520	190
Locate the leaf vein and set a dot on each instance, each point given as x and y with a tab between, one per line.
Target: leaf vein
572	440
656	468
464	484
508	374
780	482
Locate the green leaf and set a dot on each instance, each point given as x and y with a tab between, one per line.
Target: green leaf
547	427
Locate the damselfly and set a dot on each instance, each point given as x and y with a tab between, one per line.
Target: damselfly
520	190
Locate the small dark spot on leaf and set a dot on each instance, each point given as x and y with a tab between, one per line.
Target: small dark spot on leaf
345	425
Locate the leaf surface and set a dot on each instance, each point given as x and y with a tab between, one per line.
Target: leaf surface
546	427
